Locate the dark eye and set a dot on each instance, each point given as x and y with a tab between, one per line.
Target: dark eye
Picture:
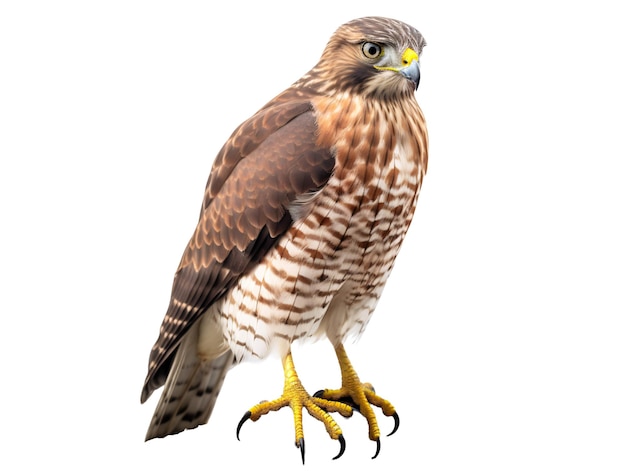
371	50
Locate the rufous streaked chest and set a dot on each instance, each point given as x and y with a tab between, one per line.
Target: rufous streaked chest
326	274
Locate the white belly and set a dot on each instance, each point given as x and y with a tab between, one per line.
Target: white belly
326	274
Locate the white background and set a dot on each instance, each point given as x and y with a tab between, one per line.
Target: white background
500	336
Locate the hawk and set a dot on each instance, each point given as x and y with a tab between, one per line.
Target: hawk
304	212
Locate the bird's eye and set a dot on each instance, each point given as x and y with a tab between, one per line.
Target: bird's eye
371	50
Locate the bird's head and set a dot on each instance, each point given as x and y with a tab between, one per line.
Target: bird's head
374	56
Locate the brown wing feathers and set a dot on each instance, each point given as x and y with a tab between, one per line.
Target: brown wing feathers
269	161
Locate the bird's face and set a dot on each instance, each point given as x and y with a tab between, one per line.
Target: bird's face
388	58
377	57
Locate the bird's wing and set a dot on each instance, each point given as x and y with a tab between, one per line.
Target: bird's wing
269	161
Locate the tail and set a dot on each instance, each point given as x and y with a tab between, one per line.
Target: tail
190	391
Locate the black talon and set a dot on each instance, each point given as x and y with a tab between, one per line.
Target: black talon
342	445
300	444
377	448
396	419
319	393
245	417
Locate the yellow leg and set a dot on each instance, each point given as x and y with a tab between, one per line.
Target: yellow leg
295	396
360	396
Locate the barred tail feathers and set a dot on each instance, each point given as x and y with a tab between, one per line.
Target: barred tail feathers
190	391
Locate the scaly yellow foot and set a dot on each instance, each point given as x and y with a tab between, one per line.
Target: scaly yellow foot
296	397
361	396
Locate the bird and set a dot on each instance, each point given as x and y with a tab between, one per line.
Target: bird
303	215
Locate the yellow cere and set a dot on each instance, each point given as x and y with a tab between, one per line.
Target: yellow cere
408	56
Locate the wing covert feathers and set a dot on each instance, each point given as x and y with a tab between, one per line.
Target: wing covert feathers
270	161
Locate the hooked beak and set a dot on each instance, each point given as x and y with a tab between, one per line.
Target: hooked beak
411	69
412	72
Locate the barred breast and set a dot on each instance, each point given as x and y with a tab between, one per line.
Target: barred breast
326	274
